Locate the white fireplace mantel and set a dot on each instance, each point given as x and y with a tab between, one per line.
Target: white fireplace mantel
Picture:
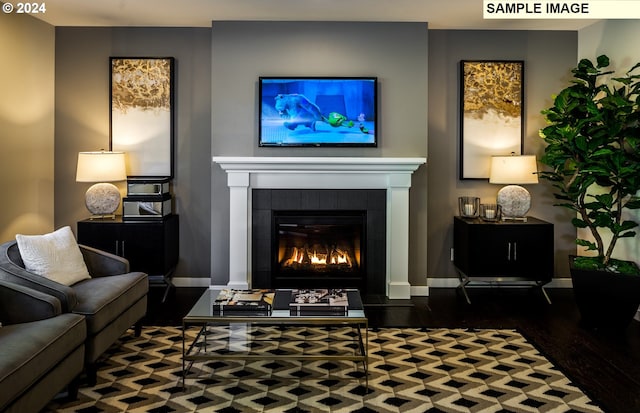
392	174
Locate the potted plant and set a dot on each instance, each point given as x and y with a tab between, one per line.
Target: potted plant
593	151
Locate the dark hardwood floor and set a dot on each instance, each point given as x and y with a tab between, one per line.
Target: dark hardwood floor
605	364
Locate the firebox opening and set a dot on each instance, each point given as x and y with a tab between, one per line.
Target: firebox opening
319	249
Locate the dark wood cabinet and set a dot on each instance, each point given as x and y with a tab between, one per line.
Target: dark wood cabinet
503	251
150	246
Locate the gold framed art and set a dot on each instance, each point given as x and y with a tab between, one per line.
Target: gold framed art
142	118
491	113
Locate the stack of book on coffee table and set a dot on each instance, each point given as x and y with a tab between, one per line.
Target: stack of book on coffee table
319	301
244	302
298	302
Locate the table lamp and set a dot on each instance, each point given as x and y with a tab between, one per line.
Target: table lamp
514	170
103	198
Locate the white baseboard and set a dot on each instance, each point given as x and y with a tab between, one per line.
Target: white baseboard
419	290
191	282
560	283
443	282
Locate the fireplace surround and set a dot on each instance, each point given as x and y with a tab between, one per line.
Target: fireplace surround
297	233
244	174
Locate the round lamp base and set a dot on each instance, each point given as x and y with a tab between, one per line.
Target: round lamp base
102	199
515	202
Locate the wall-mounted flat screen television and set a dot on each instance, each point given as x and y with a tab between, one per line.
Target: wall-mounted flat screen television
318	111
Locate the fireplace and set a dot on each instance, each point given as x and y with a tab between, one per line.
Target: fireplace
297	232
319	249
249	242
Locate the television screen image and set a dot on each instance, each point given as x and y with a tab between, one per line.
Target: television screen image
318	111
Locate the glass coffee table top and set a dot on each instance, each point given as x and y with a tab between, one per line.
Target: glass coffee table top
350	346
204	309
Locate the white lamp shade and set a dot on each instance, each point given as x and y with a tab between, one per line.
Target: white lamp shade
514	169
101	167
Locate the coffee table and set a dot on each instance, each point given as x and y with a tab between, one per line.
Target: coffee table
202	314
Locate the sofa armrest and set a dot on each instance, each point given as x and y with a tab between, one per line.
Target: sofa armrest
101	263
12	269
20	304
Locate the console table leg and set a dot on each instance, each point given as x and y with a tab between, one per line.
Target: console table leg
544	292
464	280
168	279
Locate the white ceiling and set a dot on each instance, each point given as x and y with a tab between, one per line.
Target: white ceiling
440	14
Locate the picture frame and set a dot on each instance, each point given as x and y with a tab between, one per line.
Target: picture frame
141	121
491	113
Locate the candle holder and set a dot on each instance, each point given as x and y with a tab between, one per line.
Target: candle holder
469	206
490	212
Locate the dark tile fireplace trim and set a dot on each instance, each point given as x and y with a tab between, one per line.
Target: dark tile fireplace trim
372	201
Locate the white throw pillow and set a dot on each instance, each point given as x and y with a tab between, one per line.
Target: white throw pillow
55	256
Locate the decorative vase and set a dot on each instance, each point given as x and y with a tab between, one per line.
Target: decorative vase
606	300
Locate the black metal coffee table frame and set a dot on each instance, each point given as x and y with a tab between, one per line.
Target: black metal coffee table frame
202	315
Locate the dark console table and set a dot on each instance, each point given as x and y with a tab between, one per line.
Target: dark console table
505	252
151	246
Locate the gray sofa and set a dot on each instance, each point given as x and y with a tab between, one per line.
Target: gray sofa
41	348
112	301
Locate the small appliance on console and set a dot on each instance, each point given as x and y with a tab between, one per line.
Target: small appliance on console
147	198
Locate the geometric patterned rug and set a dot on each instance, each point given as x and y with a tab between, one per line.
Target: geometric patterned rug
410	370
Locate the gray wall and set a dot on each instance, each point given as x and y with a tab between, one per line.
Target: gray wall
548	57
217	71
82	122
26	125
394	52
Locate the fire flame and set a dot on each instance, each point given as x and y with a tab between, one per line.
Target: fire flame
317	261
340	259
336	257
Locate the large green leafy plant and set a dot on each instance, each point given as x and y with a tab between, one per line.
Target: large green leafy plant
593	137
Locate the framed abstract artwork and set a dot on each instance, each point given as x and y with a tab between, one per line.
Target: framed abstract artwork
491	113
141	120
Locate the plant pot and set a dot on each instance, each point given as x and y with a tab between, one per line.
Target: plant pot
606	300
